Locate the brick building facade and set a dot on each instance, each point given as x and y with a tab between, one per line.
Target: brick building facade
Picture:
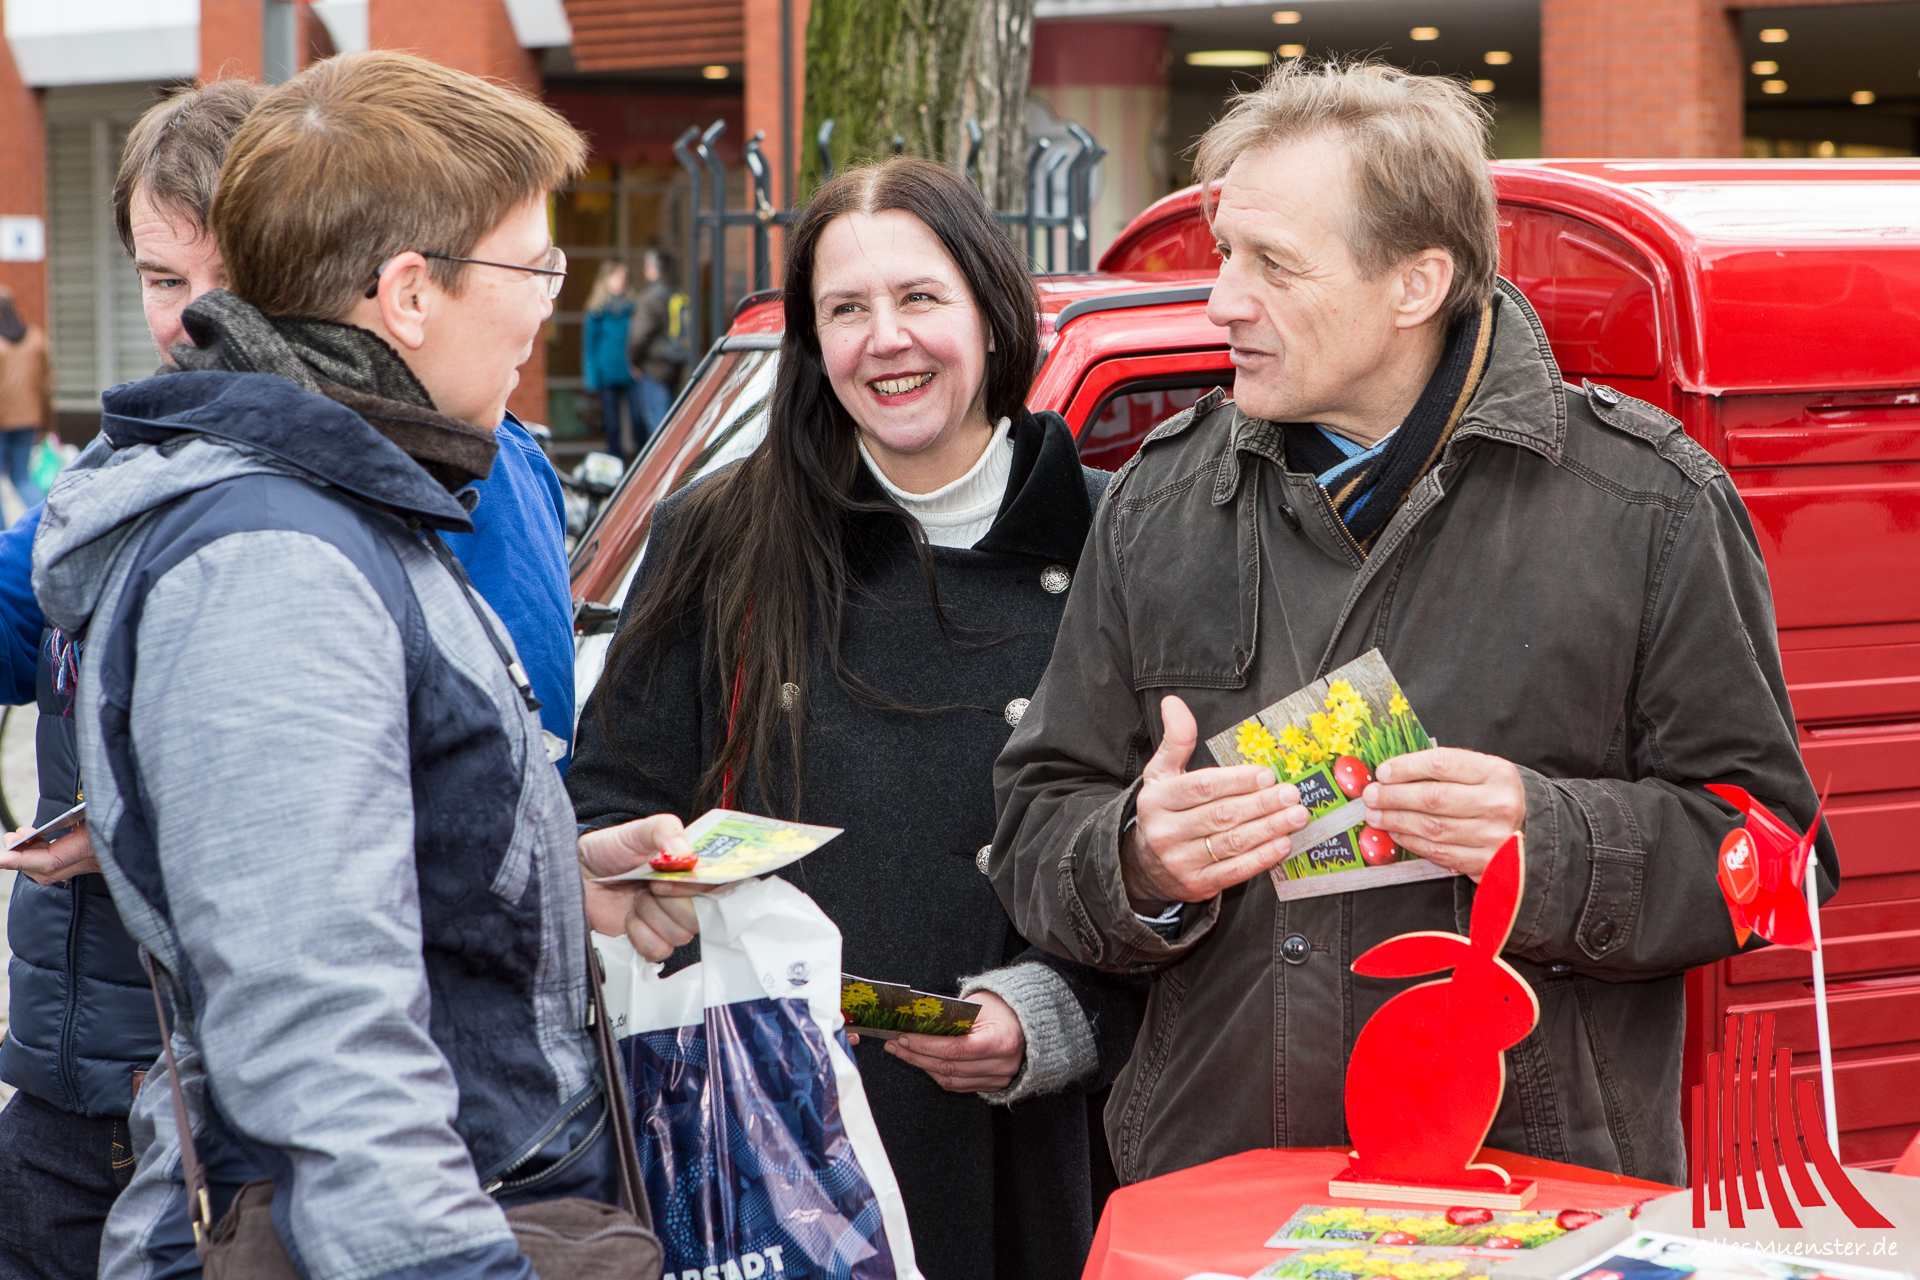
1612	78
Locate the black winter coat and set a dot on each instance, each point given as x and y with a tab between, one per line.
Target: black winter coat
990	1191
82	1026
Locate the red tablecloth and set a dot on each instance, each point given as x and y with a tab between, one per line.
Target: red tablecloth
1218	1216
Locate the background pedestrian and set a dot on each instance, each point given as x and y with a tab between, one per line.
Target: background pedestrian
26	396
603	362
653	348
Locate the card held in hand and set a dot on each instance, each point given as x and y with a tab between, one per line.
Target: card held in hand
1328	739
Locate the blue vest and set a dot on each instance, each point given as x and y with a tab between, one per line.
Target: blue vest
82	1019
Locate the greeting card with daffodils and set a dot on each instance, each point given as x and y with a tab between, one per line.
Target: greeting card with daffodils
1327	739
883	1010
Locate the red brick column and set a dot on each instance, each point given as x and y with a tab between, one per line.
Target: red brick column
762	20
1623	78
471	35
23	144
474	36
232	41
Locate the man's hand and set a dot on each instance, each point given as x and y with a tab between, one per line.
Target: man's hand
656	916
1198	833
985	1060
69	856
1452	807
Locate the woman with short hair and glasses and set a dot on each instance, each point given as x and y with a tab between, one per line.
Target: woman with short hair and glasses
317	781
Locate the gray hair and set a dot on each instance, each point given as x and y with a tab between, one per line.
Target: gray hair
1419	150
175	152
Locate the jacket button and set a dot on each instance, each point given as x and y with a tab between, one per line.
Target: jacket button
1056	578
1604	394
1599	936
980	858
1016	711
1294	948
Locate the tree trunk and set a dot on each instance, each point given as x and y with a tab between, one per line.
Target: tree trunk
887	73
906	74
995	94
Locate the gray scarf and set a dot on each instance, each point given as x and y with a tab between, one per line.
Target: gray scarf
344	363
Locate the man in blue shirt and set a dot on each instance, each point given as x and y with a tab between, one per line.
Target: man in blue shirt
82	1029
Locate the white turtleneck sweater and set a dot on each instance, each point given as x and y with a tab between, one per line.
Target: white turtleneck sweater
958	514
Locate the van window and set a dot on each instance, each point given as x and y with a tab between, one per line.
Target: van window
1124	418
1594	292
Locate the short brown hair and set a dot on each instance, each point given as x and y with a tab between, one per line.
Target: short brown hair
368	155
1419	149
174	153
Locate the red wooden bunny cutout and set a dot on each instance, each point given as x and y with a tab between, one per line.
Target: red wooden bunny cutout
1428	1069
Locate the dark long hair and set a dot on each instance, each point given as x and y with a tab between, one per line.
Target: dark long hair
763	548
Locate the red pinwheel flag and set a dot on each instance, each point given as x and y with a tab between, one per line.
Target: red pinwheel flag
1762	870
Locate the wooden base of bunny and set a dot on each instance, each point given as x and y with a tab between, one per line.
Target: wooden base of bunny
1518	1194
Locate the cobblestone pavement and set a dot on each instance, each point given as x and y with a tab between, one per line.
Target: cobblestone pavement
21	781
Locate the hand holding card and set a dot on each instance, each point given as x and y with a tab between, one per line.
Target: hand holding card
724	845
56	850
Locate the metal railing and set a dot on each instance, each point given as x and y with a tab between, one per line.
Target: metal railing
1055	212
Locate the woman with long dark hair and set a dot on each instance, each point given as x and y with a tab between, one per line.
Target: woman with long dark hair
843	628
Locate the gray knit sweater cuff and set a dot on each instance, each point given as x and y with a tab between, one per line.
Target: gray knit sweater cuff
1060	1047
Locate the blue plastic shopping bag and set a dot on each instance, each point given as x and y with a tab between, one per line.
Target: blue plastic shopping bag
759	1150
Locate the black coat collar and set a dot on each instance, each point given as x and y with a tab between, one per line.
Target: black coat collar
1048	506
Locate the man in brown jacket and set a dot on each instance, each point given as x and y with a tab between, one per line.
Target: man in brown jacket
1566	586
26	396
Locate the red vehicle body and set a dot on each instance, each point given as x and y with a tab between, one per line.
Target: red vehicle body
1774	308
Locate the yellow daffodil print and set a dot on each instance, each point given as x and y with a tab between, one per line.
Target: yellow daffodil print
870	1006
1256	741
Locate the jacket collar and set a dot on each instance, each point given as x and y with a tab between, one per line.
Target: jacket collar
269	415
1518	402
1046	511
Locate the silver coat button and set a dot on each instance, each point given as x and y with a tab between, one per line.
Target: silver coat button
1016	710
1056	578
980	858
789	694
1605	394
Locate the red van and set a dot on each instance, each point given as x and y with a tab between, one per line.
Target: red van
1774	308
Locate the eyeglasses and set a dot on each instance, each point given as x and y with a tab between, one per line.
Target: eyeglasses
553	266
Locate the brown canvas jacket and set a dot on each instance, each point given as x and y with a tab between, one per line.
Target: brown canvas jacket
652	318
26	382
1575	587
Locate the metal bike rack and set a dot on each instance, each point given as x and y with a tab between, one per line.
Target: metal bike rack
708	218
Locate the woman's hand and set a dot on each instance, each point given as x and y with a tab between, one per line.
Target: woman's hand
69	856
985	1060
656	915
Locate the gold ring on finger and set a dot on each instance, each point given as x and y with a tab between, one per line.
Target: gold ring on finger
1208	841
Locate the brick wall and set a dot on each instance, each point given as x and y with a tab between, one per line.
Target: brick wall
475	36
23	161
232	42
629	35
1639	78
762	75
